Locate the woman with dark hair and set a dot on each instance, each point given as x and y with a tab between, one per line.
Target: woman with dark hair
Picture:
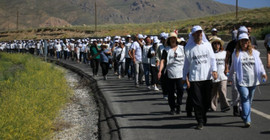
104	60
95	58
174	58
219	87
250	71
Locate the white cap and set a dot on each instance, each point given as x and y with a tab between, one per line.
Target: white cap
242	29
94	40
116	41
156	40
128	35
243	36
196	28
145	36
214	30
140	36
182	39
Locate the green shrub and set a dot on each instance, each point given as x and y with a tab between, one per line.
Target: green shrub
31	94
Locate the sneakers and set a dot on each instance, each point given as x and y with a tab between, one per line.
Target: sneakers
105	77
165	97
225	109
137	86
172	112
119	76
149	87
247	124
155	88
199	126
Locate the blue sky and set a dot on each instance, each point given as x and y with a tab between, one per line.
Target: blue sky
248	3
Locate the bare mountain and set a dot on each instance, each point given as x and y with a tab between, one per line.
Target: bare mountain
40	13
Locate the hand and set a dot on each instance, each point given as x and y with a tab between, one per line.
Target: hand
159	75
215	75
188	84
264	76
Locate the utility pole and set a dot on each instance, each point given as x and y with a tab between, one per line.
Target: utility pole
236	9
17	27
95	16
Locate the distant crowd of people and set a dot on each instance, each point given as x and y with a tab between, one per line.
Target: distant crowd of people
201	66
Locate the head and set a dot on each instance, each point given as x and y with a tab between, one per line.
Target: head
217	44
243	44
249	30
148	40
172	40
214	32
197	34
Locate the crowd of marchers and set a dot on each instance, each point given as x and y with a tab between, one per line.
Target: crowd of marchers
202	66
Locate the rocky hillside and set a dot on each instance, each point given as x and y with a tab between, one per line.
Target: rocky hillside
40	13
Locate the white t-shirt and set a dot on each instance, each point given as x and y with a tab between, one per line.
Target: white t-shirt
58	47
220	60
127	48
153	60
175	62
200	62
145	59
248	67
138	51
122	52
72	46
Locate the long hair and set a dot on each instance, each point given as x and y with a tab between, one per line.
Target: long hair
238	48
221	48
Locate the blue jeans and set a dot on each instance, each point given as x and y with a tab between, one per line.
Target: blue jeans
246	95
146	68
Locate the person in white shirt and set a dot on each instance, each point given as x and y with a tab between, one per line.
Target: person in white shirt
164	77
267	46
119	54
200	66
154	64
146	61
129	66
58	49
136	55
174	60
219	91
250	71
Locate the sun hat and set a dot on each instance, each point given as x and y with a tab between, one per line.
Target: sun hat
217	39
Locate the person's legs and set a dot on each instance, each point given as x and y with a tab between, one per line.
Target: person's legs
146	68
206	89
214	96
171	97
246	94
179	93
224	104
235	97
141	71
197	100
136	72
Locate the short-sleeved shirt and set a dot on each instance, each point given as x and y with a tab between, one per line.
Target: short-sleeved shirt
138	51
94	51
103	56
249	74
220	60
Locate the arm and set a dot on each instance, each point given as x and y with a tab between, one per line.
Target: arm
227	61
161	68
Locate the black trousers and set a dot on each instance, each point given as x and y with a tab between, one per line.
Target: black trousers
95	65
104	68
201	98
175	85
163	81
189	104
154	75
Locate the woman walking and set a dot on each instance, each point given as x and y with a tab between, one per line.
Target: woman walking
249	72
219	91
174	59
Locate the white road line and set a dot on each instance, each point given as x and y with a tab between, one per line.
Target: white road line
260	113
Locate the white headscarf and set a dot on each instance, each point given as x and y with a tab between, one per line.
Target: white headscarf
195	29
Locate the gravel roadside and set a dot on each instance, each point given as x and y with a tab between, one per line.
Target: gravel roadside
79	119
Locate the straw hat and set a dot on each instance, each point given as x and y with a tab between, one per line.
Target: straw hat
217	39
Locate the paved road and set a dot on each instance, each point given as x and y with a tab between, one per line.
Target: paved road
144	115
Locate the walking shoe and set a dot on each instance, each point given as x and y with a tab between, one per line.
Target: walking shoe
236	111
165	97
149	87
225	109
137	86
119	76
247	124
199	126
172	112
156	89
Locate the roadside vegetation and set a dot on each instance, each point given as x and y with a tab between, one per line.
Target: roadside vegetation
31	94
258	19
